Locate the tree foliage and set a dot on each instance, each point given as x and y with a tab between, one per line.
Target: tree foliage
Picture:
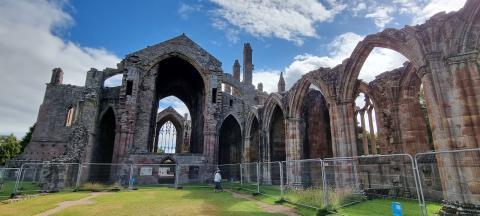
26	139
9	148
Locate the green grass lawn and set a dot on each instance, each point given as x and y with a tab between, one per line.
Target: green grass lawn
382	207
151	201
24	188
39	204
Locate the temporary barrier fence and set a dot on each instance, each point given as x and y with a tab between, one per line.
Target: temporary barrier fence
330	183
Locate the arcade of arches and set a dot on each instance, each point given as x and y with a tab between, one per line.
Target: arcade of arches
432	102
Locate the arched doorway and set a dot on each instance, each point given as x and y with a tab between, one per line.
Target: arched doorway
102	153
178	77
254	150
230	142
277	135
317	142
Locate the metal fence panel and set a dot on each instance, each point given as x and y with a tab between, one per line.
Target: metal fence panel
47	177
249	174
99	176
231	175
357	179
271	179
195	175
304	183
450	177
148	175
8	180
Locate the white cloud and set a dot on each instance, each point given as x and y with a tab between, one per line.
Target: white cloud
290	20
379	61
175	103
186	9
382	16
269	78
435	6
29	51
339	48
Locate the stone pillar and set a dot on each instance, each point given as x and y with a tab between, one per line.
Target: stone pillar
452	99
294	148
465	119
342	124
343	139
364	133
372	131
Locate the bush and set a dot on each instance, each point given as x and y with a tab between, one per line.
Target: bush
99	187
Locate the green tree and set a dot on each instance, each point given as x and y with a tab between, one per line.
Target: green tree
9	148
26	139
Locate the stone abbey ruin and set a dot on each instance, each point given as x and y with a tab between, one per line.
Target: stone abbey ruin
233	121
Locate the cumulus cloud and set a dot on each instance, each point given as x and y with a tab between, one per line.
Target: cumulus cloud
435	6
379	60
289	20
382	16
269	78
29	50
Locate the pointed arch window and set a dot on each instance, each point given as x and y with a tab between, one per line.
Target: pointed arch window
70	116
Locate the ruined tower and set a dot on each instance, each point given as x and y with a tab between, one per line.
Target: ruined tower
281	83
247	64
236	76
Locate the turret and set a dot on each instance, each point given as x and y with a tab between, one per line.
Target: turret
57	76
281	83
247	64
260	87
236	70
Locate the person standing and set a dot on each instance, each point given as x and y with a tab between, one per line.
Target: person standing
217	179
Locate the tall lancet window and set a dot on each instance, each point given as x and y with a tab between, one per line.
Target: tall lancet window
167	138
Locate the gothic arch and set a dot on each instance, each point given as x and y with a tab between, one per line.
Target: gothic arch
252	149
403	41
300	89
271	102
169	114
230	141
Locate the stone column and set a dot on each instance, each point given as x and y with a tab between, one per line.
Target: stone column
342	124
465	118
294	149
364	133
452	94
372	131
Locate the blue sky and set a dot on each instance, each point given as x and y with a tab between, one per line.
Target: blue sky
294	36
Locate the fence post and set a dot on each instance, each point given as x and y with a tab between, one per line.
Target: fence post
324	185
418	185
177	168
17	182
241	176
79	176
258	177
130	182
281	179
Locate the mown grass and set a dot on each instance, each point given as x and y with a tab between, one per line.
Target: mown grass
167	201
145	201
383	207
8	187
39	204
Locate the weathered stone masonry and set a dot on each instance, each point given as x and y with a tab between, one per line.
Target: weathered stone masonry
443	63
